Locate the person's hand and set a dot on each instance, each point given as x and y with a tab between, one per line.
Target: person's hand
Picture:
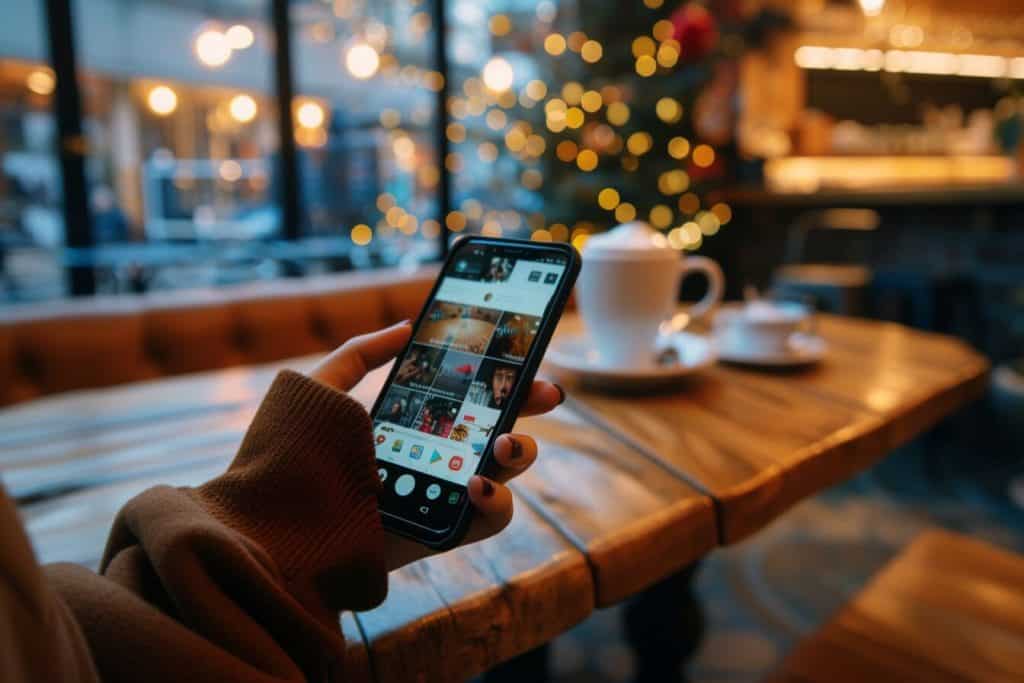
513	453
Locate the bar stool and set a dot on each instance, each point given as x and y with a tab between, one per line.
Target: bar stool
835	287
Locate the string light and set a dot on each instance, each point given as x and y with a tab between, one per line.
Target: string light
668	110
661	216
586	160
591	51
617	113
500	24
536	89
625	212
554	44
646	66
498	74
456	221
608	198
361	234
591	101
643	46
678	147
703	156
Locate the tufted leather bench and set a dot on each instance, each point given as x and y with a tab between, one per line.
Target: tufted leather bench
103	341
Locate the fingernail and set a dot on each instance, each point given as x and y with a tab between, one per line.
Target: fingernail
517	449
402	322
488	487
561	394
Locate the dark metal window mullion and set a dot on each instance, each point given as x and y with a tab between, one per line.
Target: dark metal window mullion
72	147
284	90
444	197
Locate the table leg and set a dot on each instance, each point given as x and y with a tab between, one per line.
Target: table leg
664	626
530	666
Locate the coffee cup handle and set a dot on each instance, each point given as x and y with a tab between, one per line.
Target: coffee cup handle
716	284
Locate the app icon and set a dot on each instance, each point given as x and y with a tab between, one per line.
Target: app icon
551	278
434	457
478	448
424	510
405	484
382	473
534	276
415	452
433	491
455	463
396	445
381	439
453	497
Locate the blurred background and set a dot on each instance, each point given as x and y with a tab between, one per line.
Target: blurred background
863	155
159	144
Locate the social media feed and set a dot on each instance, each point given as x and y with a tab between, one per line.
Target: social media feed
462	367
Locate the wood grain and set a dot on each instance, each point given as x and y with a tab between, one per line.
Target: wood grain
759	441
452	616
949	608
634	520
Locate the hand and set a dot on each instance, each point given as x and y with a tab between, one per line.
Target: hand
513	453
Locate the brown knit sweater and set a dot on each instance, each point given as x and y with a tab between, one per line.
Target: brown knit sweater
240	579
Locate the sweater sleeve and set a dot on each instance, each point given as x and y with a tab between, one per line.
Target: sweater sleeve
243	577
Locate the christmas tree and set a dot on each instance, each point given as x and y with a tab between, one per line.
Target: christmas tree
640	97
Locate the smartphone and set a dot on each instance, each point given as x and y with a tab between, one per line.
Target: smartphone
459	383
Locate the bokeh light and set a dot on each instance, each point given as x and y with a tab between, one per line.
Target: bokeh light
362	60
243	108
162	101
498	75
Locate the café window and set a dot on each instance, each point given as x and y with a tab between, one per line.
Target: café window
31	230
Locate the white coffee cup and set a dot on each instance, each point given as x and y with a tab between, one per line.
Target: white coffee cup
760	326
629	285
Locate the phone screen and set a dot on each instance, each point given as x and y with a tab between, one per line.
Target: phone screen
459	374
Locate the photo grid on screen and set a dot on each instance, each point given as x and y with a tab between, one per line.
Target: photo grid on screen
459	373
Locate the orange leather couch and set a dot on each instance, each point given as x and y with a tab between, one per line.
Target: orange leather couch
85	343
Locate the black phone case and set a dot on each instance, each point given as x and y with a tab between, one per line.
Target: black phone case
530	365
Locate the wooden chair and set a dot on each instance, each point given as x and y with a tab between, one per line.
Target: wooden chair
949	608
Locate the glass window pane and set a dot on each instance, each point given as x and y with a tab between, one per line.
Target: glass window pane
31	225
369	165
181	122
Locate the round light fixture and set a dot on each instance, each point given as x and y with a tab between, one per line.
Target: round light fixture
212	48
243	108
162	100
362	61
310	115
239	37
41	82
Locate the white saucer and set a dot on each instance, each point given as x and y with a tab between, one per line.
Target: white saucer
575	357
803	349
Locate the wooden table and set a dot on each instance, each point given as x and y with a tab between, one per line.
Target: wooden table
627	491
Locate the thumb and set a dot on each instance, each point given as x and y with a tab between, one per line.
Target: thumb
349	363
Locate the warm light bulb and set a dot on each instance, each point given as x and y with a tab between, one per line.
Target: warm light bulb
162	100
41	82
239	37
498	74
872	7
212	48
310	115
242	108
362	61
